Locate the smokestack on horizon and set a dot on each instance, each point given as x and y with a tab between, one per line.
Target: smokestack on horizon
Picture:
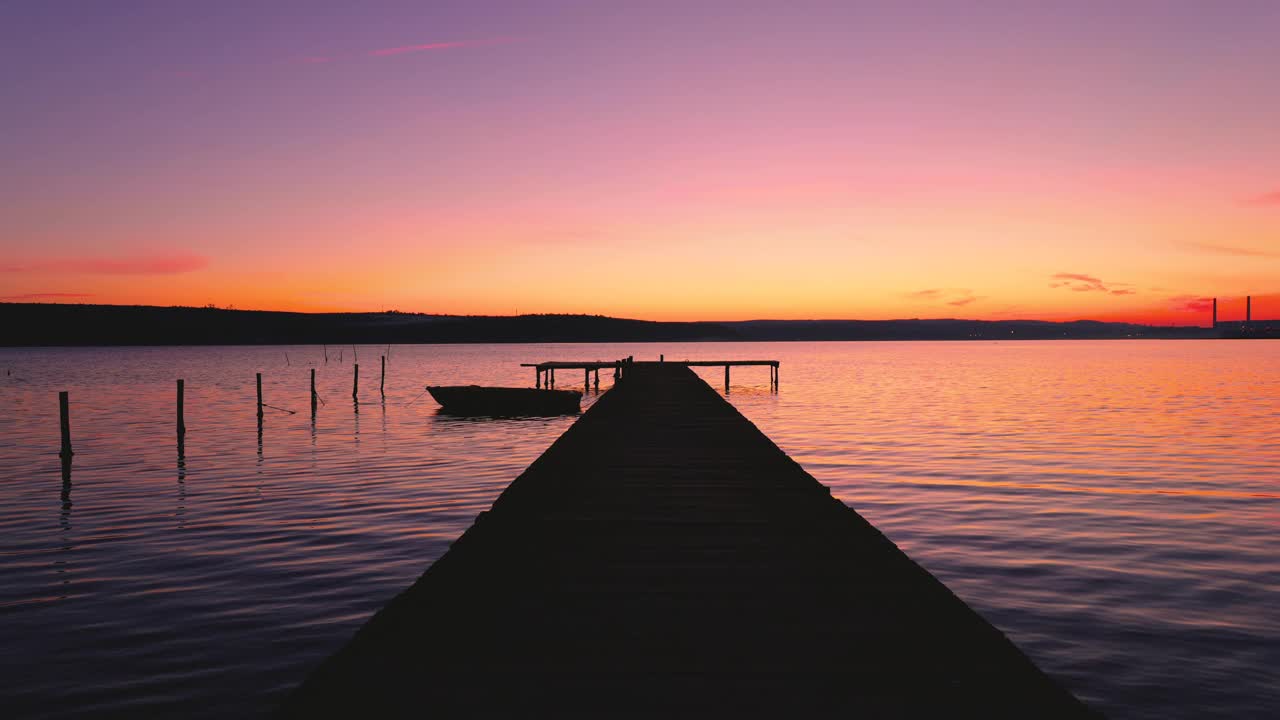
1215	312
1248	308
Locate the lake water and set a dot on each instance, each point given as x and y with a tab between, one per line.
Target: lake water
1113	506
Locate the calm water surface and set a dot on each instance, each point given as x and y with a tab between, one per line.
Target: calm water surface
1113	506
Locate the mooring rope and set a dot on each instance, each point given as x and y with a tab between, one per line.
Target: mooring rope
424	392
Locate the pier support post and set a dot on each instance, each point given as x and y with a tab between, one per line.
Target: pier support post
64	421
537	378
726	379
182	422
258	380
597	378
355	382
551	379
586	379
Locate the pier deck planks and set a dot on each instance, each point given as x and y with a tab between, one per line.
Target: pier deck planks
664	558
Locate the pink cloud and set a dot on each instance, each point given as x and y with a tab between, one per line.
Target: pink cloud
958	297
44	296
924	294
1192	303
1079	277
135	265
1271	199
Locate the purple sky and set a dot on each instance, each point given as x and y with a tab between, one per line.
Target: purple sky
779	159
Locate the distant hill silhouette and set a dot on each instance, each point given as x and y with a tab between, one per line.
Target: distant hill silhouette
37	324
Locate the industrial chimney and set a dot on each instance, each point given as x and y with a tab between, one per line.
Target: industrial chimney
1215	312
1248	308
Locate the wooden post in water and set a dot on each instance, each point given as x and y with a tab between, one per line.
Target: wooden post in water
259	381
182	422
64	420
726	379
382	384
313	392
597	378
355	382
586	379
537	378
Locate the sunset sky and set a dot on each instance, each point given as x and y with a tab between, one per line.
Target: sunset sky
662	160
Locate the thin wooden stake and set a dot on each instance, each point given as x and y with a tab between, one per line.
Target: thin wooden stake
313	392
64	418
259	381
355	383
382	384
182	422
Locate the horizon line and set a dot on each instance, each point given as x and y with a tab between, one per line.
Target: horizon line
4	301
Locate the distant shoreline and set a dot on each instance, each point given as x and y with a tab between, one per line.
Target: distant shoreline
67	325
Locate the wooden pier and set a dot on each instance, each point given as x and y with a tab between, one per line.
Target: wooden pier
545	372
664	558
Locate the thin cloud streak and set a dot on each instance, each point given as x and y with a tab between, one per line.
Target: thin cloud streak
427	47
924	294
951	296
1232	250
136	265
1080	282
44	296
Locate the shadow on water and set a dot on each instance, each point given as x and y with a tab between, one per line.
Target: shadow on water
64	516
459	418
180	512
62	565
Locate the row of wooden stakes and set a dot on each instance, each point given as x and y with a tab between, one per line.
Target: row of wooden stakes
64	405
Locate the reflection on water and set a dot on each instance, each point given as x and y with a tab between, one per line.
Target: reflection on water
1113	506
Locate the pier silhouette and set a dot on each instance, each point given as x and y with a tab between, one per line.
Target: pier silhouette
664	558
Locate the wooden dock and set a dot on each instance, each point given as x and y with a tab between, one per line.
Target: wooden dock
548	369
664	558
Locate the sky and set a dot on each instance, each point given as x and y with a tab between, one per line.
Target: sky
659	160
